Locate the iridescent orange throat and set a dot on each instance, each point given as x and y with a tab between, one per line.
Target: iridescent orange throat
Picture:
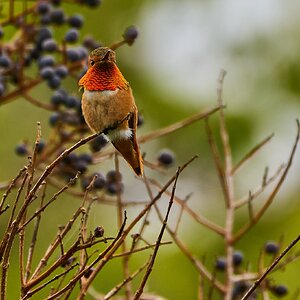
105	76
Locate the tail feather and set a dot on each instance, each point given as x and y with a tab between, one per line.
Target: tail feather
130	151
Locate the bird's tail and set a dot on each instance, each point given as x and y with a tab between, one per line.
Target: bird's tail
129	149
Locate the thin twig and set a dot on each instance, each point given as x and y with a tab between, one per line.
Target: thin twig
270	268
274	192
251	153
126	280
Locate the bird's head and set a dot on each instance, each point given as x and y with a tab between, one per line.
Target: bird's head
101	55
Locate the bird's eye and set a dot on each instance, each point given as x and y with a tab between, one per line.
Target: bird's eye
92	62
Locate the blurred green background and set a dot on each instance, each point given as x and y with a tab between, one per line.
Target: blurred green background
173	69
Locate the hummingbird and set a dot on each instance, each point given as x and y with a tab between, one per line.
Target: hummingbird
108	105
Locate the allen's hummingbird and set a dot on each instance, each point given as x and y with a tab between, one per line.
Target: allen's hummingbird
108	105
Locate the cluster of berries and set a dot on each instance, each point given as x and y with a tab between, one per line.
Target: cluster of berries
241	287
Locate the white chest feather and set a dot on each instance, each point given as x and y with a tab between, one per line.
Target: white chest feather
90	95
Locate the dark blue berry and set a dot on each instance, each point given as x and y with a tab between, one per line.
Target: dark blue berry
71	158
221	263
239	289
98	143
114	188
86	157
43	34
113	176
73	55
92	3
140	121
90	43
68	262
46	61
81	166
47	72
43	8
271	247
88	272
45	19
100	181
62	71
166	158
54	118
40	146
85	182
21	149
1	32
130	34
54	82
82	53
58	97
57	16
49	45
279	290
237	258
2	88
76	21
99	231
71	101
5	61
71	35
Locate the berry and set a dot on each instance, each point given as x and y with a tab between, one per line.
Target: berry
58	97
49	45
1	32
98	143
43	8
43	34
239	289
84	182
71	158
113	176
114	188
73	55
99	182
92	3
62	71
47	72
71	35
130	34
68	262
166	158
54	118
45	19
40	146
21	149
71	101
140	121
76	21
54	82
81	166
221	263
82	52
271	247
86	157
99	231
5	61
237	258
90	43
88	273
279	290
46	61
57	16
2	88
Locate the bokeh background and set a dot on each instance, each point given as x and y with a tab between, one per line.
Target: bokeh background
173	69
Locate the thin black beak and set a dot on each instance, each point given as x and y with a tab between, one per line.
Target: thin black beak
106	56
